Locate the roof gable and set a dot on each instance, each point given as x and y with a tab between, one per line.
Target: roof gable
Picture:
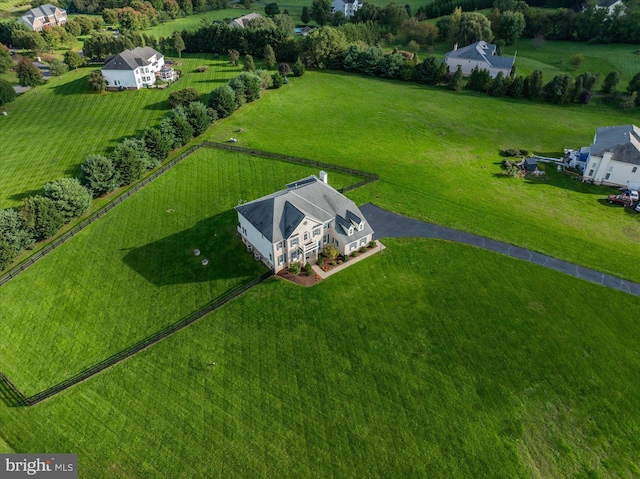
132	59
622	141
482	52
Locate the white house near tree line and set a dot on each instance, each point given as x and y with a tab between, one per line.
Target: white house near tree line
137	68
480	54
614	156
348	7
243	21
296	223
46	15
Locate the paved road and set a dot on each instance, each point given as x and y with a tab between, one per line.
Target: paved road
390	225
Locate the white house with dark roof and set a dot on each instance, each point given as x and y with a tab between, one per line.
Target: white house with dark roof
480	54
243	21
614	156
294	224
348	7
611	6
46	15
136	68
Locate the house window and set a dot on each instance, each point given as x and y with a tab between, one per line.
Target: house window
591	173
350	230
325	239
607	177
280	259
294	241
353	246
635	168
316	232
279	244
294	255
335	242
327	226
363	241
306	236
361	226
244	231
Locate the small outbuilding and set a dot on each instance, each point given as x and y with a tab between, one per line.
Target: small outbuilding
530	165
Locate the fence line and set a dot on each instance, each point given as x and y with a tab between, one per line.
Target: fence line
154	338
368	177
142	344
17	398
96	215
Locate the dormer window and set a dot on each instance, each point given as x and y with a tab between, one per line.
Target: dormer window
350	231
361	226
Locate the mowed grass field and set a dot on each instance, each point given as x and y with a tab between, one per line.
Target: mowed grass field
134	272
48	134
430	359
437	154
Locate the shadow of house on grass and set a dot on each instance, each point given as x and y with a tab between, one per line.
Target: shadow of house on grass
79	86
171	260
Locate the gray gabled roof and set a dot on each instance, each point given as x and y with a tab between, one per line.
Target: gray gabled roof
623	141
607	3
131	59
278	215
45	10
482	52
244	20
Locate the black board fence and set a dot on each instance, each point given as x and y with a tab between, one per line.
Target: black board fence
139	346
368	177
96	215
14	397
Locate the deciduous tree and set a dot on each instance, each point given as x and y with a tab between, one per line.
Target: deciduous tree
249	66
223	101
6	62
28	73
177	43
96	81
183	97
57	68
73	59
610	83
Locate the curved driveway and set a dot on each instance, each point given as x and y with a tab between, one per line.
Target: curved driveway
390	225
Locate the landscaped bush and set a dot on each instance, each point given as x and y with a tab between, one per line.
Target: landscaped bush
510	152
247	87
354	254
308	269
295	268
278	80
330	252
363	249
372	244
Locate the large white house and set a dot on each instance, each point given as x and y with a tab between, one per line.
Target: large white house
480	54
614	156
46	15
137	68
294	224
348	7
611	6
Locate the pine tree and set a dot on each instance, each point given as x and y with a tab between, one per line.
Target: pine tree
269	57
456	81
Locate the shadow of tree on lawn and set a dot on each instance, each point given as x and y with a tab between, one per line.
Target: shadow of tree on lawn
171	260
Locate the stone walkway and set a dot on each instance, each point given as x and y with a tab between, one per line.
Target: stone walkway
340	267
390	225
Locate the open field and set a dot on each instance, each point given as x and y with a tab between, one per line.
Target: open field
51	131
437	156
429	360
193	22
133	272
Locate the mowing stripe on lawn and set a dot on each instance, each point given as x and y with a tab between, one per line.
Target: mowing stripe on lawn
368	178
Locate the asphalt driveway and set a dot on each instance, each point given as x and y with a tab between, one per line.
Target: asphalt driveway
386	224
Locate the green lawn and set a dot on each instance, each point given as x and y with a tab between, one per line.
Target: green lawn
133	272
429	360
193	22
48	133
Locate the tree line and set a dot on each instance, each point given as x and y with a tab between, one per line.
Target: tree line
41	216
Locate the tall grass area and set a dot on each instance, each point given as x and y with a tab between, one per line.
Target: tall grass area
134	272
437	154
429	360
47	134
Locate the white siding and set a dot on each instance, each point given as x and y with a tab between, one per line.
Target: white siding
467	67
253	237
620	173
